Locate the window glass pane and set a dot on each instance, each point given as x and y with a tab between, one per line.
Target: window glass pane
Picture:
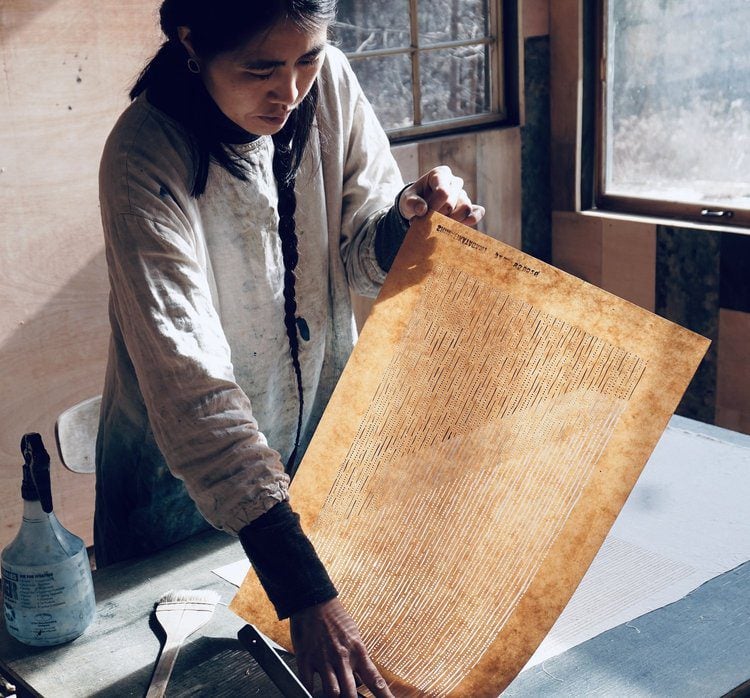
361	25
677	111
452	20
386	80
454	83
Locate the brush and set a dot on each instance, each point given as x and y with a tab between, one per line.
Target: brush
180	613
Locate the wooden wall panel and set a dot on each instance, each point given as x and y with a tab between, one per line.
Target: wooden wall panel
535	18
499	183
67	68
733	374
407	157
618	256
577	245
629	261
565	95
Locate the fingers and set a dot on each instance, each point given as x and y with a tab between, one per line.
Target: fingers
371	678
477	213
337	675
470	215
442	191
345	670
338	678
327	643
338	683
412	205
306	673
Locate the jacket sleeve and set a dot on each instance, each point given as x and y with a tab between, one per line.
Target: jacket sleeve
369	176
161	299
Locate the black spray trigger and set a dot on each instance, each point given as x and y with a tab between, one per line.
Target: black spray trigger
36	459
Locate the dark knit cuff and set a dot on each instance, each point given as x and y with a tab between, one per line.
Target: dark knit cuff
285	561
389	234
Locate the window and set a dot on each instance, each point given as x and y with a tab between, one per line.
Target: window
429	66
673	109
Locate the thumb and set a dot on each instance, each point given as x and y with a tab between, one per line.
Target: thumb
412	205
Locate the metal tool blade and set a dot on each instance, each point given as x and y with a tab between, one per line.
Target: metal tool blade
268	659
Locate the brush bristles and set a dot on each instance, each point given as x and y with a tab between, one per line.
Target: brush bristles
190	596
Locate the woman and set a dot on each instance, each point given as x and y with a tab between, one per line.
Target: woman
246	188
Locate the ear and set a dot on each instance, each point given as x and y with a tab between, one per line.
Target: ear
183	34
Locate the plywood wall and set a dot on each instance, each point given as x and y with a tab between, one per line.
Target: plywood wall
67	66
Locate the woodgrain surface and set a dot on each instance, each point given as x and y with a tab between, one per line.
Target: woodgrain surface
116	655
67	67
733	384
535	17
618	256
565	96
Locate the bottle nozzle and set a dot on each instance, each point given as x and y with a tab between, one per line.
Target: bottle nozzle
36	460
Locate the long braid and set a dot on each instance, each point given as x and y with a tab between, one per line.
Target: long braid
284	171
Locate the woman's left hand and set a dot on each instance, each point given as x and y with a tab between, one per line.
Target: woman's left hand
439	190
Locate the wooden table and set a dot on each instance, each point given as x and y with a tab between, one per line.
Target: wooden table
696	647
116	655
699	646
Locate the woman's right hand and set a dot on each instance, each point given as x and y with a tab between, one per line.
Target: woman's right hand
327	642
442	191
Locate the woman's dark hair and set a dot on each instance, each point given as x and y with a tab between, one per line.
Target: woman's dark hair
284	172
217	26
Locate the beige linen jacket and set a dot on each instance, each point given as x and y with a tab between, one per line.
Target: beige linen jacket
199	368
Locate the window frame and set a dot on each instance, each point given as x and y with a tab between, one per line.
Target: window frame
593	188
502	65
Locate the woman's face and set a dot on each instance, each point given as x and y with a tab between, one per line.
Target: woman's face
258	84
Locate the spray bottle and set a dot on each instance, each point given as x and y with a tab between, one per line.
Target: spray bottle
48	593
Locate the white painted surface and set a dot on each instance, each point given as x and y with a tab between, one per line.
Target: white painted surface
684	523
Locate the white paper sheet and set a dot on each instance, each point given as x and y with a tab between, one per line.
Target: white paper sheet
684	523
234	572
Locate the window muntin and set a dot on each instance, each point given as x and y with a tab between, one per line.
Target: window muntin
427	67
674	109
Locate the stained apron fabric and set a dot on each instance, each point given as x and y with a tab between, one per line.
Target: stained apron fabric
200	402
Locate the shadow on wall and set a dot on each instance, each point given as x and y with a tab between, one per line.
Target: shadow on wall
21	16
51	361
64	87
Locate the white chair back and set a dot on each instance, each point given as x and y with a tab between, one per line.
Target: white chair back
75	434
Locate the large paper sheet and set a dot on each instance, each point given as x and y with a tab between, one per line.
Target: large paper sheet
489	425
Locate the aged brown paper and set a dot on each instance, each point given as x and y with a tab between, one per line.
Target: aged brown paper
486	432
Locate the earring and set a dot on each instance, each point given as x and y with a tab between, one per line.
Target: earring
193	65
